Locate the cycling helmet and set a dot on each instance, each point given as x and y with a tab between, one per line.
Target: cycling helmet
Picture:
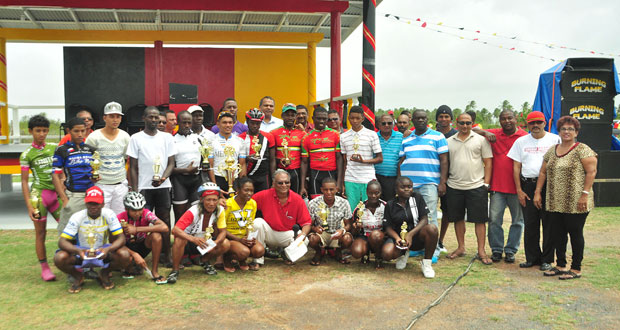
208	188
255	115
134	201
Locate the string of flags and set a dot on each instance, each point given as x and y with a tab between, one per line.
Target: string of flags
437	27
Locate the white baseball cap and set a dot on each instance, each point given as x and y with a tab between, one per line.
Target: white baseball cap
194	108
113	107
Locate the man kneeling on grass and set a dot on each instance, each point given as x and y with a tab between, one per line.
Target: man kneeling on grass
200	230
143	232
89	229
408	215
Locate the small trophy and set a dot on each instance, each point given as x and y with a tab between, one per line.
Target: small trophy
205	151
35	201
403	231
95	163
208	233
356	147
230	166
256	147
323	214
91	239
286	161
249	225
124	225
156	168
361	208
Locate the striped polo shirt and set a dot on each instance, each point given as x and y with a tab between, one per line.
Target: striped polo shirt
293	138
368	147
321	148
421	154
391	152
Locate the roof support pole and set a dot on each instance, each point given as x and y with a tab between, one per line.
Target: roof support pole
159	72
4	103
311	72
335	62
368	63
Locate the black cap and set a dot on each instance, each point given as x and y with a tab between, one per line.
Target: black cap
443	109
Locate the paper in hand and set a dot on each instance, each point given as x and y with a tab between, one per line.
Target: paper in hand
210	245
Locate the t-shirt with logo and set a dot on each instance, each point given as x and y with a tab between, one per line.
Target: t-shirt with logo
188	150
421	153
294	138
529	151
219	158
113	154
193	223
320	147
502	179
39	159
147	218
236	217
266	141
81	225
75	163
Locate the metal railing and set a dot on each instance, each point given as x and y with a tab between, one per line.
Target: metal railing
15	137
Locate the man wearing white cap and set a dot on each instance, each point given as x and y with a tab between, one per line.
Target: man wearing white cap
111	143
197	118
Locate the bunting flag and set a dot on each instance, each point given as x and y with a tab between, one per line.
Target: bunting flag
440	27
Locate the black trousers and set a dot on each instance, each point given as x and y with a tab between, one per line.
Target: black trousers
294	179
565	224
532	218
316	180
388	186
261	182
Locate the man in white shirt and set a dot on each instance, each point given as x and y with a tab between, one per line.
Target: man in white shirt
185	177
197	118
225	140
267	105
111	144
527	154
361	151
151	160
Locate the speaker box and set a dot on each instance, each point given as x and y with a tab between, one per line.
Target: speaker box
606	185
596	136
589	110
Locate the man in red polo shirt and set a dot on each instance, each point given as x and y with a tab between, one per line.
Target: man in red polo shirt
281	209
320	148
503	190
292	137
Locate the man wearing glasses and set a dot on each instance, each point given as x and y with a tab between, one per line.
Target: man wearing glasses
87	117
390	141
527	153
333	121
468	183
281	210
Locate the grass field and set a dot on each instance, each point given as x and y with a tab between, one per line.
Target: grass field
329	296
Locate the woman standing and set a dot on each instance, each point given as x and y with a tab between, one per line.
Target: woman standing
570	168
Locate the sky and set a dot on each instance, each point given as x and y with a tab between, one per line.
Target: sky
415	67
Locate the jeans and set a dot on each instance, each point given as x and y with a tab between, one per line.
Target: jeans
499	201
429	193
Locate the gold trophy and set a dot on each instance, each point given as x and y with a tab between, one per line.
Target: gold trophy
286	161
35	201
156	168
208	233
205	150
256	147
249	224
361	208
356	147
230	166
124	226
95	163
91	239
403	231
323	214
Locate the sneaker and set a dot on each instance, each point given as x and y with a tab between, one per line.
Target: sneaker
401	262
427	268
442	249
416	253
510	258
209	270
173	277
496	256
545	266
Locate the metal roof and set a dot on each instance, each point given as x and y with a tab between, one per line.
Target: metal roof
179	20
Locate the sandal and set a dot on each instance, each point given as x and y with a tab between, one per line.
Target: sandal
484	259
243	266
173	277
159	280
76	286
570	275
378	263
105	284
365	259
254	266
316	260
554	272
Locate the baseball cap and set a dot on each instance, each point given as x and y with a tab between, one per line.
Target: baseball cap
112	108
194	108
535	116
289	107
94	194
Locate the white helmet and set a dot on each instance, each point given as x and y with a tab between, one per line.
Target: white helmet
134	201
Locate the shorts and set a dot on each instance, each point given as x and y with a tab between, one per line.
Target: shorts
416	245
139	247
316	180
475	201
327	241
75	204
49	202
114	194
294	173
191	249
185	188
156	198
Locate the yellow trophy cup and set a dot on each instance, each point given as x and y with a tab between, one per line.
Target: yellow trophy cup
361	208
230	166
95	163
356	148
286	161
208	233
323	214
256	147
205	150
92	240
156	168
35	201
249	223
403	231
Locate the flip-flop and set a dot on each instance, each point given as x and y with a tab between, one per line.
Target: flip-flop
76	286
453	255
159	280
484	260
316	261
554	272
570	275
107	284
253	266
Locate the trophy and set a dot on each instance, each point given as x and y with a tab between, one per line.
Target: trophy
205	151
124	226
208	233
249	224
230	166
91	239
256	147
35	201
95	163
323	214
403	231
156	168
356	147
286	161
361	208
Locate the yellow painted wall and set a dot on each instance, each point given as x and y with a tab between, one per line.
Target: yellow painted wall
279	73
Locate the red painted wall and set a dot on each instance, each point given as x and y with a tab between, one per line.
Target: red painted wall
212	69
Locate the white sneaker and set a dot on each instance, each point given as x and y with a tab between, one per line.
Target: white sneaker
401	262
427	268
442	249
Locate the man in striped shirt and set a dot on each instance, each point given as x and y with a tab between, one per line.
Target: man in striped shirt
424	159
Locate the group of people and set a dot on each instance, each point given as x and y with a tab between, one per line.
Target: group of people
255	189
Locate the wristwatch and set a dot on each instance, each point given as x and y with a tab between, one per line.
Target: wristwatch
486	185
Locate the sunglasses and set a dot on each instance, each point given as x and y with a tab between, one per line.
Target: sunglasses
333	119
465	122
537	122
387	123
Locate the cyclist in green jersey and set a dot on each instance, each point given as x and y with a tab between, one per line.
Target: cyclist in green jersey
38	160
